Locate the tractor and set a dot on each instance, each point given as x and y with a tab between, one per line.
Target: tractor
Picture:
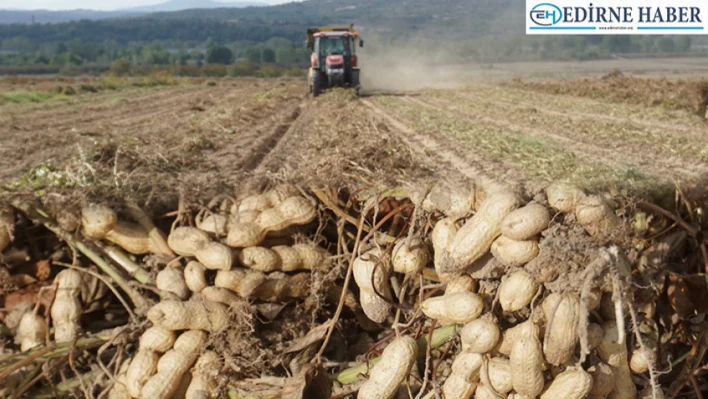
333	62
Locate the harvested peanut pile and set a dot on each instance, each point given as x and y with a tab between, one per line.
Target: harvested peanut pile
483	290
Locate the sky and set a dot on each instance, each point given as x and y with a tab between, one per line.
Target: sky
93	4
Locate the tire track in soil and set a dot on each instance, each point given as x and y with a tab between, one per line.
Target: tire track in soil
261	150
280	159
252	129
584	148
439	150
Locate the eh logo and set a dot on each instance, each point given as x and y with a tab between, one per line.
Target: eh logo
546	14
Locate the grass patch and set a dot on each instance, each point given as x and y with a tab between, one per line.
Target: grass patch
515	96
687	95
29	96
620	133
42	176
263	95
539	159
157	78
268	94
111	83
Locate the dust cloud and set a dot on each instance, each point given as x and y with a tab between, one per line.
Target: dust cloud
401	71
411	67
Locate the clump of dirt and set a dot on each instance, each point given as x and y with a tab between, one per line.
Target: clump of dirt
703	99
613	74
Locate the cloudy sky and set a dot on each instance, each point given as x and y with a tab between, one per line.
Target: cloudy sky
92	4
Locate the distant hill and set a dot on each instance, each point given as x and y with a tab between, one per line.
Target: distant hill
177	5
48	16
444	18
424	19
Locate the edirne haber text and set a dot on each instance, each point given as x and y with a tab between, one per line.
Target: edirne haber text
627	14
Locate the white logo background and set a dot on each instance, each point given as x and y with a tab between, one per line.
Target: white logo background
616	17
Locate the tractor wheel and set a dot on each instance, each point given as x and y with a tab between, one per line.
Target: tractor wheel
316	83
355	78
356	83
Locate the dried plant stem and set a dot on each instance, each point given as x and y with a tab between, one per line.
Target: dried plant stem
122	260
692	231
322	196
35	214
652	366
27	382
427	362
345	289
431	275
593	270
51	351
66	386
157	237
22	363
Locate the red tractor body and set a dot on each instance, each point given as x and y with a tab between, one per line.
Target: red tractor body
333	62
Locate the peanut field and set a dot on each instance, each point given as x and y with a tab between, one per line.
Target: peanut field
533	237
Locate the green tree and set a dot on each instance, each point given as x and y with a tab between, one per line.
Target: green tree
278	42
19	44
67	58
270	71
219	55
646	44
155	57
61	48
120	67
581	44
40	59
242	68
665	44
616	44
253	54
268	55
286	56
682	43
182	58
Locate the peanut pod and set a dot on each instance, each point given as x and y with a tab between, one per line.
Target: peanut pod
393	368
173	365
475	238
517	291
457	308
562	331
526	359
191	315
373	263
525	222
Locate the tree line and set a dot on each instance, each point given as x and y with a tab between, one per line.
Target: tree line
22	52
28	53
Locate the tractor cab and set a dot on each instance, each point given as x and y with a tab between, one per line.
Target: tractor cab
333	61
